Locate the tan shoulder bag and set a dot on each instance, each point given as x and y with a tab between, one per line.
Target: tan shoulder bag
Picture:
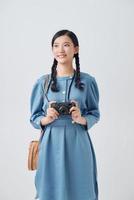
34	144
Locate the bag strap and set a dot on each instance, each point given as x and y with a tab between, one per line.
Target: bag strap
46	85
45	90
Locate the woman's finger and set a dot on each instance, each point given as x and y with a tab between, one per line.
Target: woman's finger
75	113
54	110
73	109
53	114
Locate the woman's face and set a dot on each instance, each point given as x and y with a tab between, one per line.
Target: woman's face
63	49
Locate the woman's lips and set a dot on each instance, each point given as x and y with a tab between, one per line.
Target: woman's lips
61	56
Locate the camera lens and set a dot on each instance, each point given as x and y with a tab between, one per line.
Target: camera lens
63	110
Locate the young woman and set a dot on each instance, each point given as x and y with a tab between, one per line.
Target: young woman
67	167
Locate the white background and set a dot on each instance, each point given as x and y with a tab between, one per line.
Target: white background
105	29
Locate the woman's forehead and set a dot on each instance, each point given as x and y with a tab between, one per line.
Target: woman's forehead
63	39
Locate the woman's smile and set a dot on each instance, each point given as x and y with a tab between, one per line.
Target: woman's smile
61	56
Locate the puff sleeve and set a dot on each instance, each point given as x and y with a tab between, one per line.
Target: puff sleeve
36	104
92	114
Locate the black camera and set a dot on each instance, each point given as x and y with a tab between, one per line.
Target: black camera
63	107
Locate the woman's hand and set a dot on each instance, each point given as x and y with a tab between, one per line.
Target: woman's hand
76	114
51	115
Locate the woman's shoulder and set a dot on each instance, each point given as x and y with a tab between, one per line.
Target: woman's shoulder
39	82
86	76
42	78
90	81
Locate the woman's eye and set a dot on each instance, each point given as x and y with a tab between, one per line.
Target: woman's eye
67	45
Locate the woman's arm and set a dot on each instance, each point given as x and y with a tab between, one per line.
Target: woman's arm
36	104
92	115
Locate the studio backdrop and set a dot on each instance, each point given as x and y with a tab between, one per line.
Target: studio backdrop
105	29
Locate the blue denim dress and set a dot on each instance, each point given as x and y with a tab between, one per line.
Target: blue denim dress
67	167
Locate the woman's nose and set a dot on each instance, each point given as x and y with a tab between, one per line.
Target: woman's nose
61	49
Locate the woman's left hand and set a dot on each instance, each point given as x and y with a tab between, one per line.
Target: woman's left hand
76	114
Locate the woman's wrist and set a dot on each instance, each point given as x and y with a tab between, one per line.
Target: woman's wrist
83	121
44	121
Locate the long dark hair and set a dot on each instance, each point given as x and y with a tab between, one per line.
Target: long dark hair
78	83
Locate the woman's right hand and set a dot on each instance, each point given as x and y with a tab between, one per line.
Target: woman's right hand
51	115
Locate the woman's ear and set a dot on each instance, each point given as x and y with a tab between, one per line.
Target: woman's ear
76	49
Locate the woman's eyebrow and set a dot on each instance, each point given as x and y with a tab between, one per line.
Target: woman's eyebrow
64	42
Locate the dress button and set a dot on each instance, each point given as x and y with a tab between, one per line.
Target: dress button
63	92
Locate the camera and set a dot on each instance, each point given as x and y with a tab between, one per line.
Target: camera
63	107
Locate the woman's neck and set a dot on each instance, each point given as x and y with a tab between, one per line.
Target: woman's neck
64	70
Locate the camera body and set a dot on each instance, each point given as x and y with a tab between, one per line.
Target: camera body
63	107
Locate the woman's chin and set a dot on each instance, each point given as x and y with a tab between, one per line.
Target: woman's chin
62	61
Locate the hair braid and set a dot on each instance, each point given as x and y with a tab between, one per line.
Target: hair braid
78	83
53	76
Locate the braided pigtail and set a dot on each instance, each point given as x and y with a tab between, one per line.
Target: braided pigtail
53	77
78	83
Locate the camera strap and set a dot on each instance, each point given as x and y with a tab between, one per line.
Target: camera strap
48	82
70	85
